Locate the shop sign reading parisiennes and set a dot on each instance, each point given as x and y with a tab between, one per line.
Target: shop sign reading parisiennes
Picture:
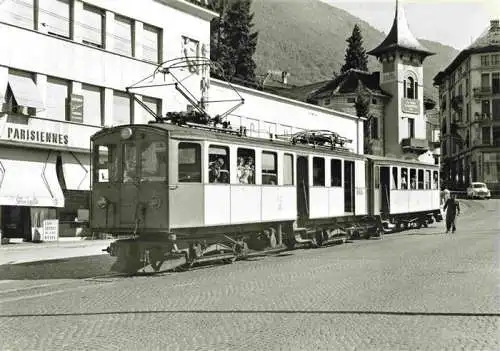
36	136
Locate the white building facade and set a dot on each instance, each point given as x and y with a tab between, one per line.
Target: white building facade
63	74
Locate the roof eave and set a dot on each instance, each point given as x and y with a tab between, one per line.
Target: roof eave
378	51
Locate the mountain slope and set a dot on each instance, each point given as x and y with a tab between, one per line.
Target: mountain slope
308	39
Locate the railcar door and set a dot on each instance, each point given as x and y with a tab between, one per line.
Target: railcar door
130	180
385	189
302	187
349	178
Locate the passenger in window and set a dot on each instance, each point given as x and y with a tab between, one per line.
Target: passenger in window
218	173
435	181
404	184
250	170
413	183
240	171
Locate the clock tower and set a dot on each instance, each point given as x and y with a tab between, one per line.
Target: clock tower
401	56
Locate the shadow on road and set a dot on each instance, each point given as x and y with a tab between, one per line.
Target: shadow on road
66	268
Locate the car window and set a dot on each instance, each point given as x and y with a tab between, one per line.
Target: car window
478	185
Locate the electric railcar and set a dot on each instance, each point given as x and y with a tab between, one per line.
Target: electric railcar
184	194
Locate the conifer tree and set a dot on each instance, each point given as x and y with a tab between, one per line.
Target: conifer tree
233	43
355	55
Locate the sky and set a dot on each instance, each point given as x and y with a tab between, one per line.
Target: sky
451	22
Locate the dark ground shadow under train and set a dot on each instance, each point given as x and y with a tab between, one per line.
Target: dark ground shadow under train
65	268
90	267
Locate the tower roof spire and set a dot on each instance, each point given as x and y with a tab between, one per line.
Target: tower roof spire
400	36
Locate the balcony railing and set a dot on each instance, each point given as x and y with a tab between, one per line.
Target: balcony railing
459	123
414	144
481	118
481	91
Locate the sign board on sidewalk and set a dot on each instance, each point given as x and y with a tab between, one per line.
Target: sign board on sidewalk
50	230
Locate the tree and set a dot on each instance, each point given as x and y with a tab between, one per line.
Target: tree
355	55
233	44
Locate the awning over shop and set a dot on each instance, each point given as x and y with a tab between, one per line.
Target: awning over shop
25	92
28	178
76	169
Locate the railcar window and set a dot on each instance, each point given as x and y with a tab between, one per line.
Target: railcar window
269	168
153	161
413	178
336	172
106	169
435	180
189	160
287	169
318	171
245	171
404	178
376	181
129	152
218	164
420	179
427	180
395	183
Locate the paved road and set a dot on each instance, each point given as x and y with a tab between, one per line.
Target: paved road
420	290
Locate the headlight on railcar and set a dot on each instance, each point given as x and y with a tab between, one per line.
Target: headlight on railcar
126	133
102	203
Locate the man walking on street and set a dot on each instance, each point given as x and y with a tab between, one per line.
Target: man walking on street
452	209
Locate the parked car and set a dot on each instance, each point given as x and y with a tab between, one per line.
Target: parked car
478	190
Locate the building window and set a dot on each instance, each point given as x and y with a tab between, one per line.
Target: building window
318	171
411	128
351	100
496	136
374	101
92	25
18	12
124	36
54	15
495	59
269	168
151	44
485	81
287	169
22	95
327	102
467	112
121	108
410	87
374	128
495	83
56	98
154	105
467	87
485	108
495	107
92	105
189	162
485	60
485	132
